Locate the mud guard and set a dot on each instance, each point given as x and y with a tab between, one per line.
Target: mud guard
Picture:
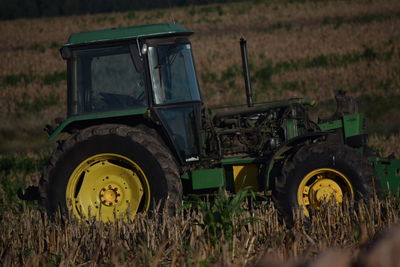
287	148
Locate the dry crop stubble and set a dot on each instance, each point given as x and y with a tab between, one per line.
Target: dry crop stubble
179	240
300	40
32	61
14	101
358	79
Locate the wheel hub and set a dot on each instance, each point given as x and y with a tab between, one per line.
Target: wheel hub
110	195
324	190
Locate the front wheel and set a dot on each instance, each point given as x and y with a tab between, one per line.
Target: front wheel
319	173
110	171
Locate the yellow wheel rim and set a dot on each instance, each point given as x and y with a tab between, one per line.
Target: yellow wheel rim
322	185
107	186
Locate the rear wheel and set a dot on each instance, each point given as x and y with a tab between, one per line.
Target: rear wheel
319	173
110	171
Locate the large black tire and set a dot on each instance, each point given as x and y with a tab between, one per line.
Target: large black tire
338	164
153	165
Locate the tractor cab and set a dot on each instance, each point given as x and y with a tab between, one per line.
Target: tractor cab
136	71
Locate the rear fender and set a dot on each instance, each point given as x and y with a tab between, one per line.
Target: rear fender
290	147
83	121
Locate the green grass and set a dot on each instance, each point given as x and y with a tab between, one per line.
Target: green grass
16	164
263	72
55	78
17	79
362	19
333	60
218	215
382	113
105	18
14	170
131	15
39	103
337	21
24	79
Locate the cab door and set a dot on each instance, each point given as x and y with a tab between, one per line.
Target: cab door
176	96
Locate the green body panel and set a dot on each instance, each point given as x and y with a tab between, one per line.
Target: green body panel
208	178
141	31
217	177
388	171
185	176
94	116
352	124
241	160
331	125
291	128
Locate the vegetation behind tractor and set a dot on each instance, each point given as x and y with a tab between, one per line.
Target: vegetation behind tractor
138	134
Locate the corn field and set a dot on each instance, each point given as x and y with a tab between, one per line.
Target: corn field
336	236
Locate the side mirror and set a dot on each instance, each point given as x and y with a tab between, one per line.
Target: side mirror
65	52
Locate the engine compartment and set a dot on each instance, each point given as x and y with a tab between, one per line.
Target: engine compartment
256	131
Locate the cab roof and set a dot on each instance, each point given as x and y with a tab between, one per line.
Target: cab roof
132	32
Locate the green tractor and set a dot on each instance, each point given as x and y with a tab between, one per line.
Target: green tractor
138	135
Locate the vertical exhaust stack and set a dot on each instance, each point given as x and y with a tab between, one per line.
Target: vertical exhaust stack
246	74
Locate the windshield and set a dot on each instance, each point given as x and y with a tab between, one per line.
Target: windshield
106	79
172	74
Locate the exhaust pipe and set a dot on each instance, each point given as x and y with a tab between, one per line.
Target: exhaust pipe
246	74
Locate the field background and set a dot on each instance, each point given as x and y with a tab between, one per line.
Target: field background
297	48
